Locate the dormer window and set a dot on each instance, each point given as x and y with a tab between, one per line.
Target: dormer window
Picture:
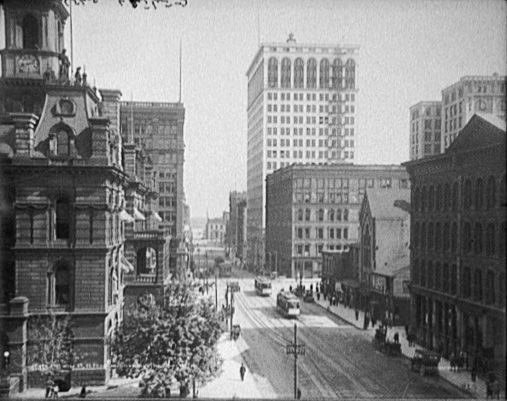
61	142
30	32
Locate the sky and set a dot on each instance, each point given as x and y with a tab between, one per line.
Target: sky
409	51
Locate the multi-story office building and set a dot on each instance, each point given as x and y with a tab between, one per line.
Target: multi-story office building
158	129
235	198
301	108
314	207
458	246
425	129
471	94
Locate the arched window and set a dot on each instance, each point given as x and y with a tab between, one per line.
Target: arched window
350	74
311	73
430	236
447	197
273	72
430	274
438	276
446	237
336	74
416	235
491	193
338	215
467	194
478	285
438	236
490	287
445	286
345	214
299	73
417	201
423	236
307	214
422	276
423	199
479	193
285	82
438	197
30	32
467	282
331	214
324	73
321	214
490	239
300	214
62	143
454	237
455	196
467	237
62	219
478	238
431	198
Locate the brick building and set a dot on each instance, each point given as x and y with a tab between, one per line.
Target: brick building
384	256
458	245
157	127
314	207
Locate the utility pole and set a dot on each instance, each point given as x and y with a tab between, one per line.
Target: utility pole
206	272
216	289
296	349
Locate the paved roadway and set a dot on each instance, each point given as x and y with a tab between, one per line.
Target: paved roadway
340	361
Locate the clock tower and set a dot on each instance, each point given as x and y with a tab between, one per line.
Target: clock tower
34	43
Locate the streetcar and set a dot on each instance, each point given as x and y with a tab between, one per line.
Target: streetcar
288	304
262	286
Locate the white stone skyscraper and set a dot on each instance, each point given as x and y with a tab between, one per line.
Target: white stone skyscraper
301	108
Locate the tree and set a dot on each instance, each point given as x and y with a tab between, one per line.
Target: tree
175	341
50	344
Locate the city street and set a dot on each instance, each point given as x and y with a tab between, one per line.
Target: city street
339	362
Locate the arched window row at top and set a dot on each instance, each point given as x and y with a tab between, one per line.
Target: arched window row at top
482	193
324	74
30	31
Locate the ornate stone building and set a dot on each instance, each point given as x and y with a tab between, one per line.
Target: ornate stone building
77	202
458	245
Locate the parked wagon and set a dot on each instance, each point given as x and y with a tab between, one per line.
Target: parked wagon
236	331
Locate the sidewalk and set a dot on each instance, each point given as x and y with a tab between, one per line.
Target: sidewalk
459	379
228	384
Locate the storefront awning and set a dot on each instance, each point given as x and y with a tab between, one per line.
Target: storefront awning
138	215
126	265
126	217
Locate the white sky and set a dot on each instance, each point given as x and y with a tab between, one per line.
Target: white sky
409	51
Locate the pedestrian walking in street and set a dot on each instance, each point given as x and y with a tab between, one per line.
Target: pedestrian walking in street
299	393
357	314
82	394
318	296
242	371
396	338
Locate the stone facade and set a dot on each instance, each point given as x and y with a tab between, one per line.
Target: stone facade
458	246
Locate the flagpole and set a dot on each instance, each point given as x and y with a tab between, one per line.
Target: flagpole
71	41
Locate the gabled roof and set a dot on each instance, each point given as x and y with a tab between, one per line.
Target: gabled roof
382	201
483	130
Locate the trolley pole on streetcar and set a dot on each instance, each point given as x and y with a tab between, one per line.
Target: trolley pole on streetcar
296	349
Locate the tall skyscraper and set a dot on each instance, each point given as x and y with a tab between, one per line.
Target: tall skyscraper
301	108
425	129
460	101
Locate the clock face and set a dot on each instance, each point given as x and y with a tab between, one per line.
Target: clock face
28	63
